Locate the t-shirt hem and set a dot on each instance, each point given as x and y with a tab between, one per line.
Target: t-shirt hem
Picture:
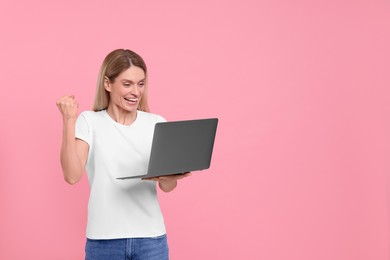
124	235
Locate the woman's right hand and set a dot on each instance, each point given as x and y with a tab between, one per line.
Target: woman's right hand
68	107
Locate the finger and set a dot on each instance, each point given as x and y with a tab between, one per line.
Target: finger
180	177
66	98
67	105
184	175
149	179
67	101
60	100
174	177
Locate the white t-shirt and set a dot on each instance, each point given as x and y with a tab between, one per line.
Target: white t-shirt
120	208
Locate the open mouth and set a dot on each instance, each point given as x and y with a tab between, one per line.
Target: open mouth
133	100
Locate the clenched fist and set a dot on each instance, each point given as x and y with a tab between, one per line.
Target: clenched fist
68	107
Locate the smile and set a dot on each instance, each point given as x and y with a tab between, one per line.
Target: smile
131	99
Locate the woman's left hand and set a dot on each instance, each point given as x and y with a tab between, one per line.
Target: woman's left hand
168	182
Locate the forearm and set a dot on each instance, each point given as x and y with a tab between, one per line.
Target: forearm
70	160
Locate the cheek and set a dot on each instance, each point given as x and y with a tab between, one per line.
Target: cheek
116	95
119	92
142	91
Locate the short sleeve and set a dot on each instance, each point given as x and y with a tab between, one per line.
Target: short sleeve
83	129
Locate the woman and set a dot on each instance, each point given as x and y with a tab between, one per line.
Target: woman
113	140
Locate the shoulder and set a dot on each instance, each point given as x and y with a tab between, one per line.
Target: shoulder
150	117
90	115
91	118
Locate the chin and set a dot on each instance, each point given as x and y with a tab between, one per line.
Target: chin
131	109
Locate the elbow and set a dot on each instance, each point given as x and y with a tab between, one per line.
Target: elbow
71	181
169	188
72	176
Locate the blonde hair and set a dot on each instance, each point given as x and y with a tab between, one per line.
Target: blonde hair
114	64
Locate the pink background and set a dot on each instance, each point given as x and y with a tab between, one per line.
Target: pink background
300	168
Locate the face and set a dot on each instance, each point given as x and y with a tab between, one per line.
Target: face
127	89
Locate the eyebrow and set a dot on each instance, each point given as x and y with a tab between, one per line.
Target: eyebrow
128	80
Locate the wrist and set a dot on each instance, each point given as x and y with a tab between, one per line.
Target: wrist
69	120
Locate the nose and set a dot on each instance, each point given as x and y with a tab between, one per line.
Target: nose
134	90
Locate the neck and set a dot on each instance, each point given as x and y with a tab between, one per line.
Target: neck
121	116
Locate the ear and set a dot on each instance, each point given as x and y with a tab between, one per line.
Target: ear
107	84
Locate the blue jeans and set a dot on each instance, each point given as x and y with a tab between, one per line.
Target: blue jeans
150	248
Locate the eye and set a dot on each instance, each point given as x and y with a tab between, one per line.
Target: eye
126	84
141	84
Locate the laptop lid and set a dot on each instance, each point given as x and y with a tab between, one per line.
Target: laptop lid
181	146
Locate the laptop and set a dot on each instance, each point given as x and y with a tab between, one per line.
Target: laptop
179	147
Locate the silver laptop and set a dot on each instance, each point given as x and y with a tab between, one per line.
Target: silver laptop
180	146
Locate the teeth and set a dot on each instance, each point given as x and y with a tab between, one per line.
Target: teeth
132	99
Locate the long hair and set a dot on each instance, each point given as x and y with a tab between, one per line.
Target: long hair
114	64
